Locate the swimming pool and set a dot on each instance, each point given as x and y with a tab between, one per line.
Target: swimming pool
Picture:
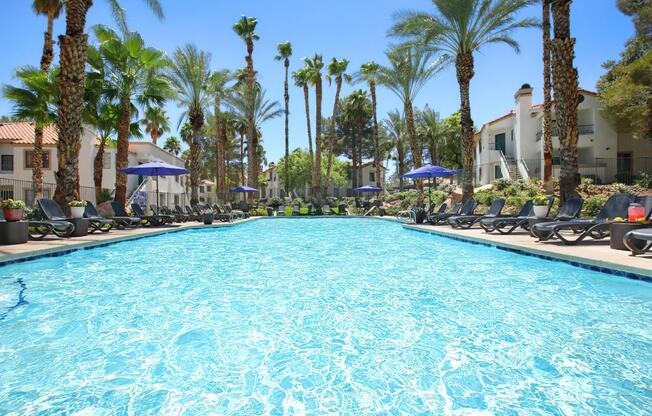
319	316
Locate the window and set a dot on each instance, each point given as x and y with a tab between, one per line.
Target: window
512	134
7	163
6	191
372	176
201	189
106	161
209	189
29	159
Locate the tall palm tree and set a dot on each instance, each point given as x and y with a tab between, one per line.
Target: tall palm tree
315	66
547	102
156	123
564	79
73	53
336	71
356	110
241	129
131	75
409	71
302	80
284	53
172	145
189	75
459	29
35	100
369	73
395	125
430	129
246	29
218	90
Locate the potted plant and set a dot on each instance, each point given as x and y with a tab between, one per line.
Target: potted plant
13	210
207	215
77	208
540	205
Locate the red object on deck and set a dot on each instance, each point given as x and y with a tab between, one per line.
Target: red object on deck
635	212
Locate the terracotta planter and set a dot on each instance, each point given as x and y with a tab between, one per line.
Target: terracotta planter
540	211
77	212
13	214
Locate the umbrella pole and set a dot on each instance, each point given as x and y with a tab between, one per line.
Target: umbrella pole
429	193
157	201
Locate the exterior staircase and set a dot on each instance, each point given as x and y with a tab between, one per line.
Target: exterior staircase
514	173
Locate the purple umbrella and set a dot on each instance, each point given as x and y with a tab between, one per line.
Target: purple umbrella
244	189
155	169
368	188
430	171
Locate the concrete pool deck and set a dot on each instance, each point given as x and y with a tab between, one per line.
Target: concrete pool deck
594	253
590	253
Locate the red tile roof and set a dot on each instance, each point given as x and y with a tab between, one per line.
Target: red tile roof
23	133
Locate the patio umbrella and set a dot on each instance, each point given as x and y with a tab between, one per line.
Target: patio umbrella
368	188
155	169
244	189
429	171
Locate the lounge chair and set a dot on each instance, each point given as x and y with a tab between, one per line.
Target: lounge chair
182	215
288	211
467	221
169	219
147	219
38	230
596	228
454	210
326	210
638	241
121	218
467	209
192	214
221	214
54	214
501	224
96	222
304	210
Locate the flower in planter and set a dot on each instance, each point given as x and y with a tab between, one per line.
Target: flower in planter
77	204
12	204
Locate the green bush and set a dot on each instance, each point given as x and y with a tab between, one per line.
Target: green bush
438	197
500	184
12	204
515	202
644	180
258	212
105	195
485	197
585	184
592	205
512	190
619	188
274	202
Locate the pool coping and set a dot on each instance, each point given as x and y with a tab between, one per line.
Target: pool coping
631	272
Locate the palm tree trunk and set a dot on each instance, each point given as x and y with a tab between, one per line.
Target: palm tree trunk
197	122
252	171
374	107
401	167
306	97
564	78
316	169
73	47
122	158
242	169
465	71
48	46
221	167
332	137
547	102
414	144
354	163
98	168
219	152
286	96
37	166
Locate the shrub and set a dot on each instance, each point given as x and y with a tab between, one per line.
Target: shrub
644	180
515	202
485	197
619	188
274	202
500	184
258	212
105	195
540	199
512	190
33	214
448	188
592	205
438	197
585	184
297	201
77	204
12	204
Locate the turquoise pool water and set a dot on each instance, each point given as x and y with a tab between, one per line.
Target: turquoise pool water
319	316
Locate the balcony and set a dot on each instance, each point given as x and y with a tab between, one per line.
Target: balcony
582	129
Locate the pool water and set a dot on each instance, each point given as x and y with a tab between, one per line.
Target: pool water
319	316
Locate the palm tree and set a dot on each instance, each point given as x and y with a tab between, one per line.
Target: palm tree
189	75
35	100
564	79
395	125
356	110
218	90
430	129
172	145
156	123
284	53
547	102
131	75
241	129
409	71
369	73
461	28
246	29
337	72
315	66
73	53
302	80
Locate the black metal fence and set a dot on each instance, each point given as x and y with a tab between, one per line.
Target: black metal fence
19	189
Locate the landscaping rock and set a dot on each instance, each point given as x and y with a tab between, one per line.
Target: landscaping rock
105	209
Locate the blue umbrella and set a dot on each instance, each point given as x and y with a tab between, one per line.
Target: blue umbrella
429	171
368	188
244	189
155	169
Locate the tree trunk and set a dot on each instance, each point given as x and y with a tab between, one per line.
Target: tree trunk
374	106
401	167
354	163
252	167
286	96
37	166
242	169
122	158
414	144
564	78
221	166
332	136
547	102
219	174
306	96
98	166
196	119
48	46
316	169
72	76
464	70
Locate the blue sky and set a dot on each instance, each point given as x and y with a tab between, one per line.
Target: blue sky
352	29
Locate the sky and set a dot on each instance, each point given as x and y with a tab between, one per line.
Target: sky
351	29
